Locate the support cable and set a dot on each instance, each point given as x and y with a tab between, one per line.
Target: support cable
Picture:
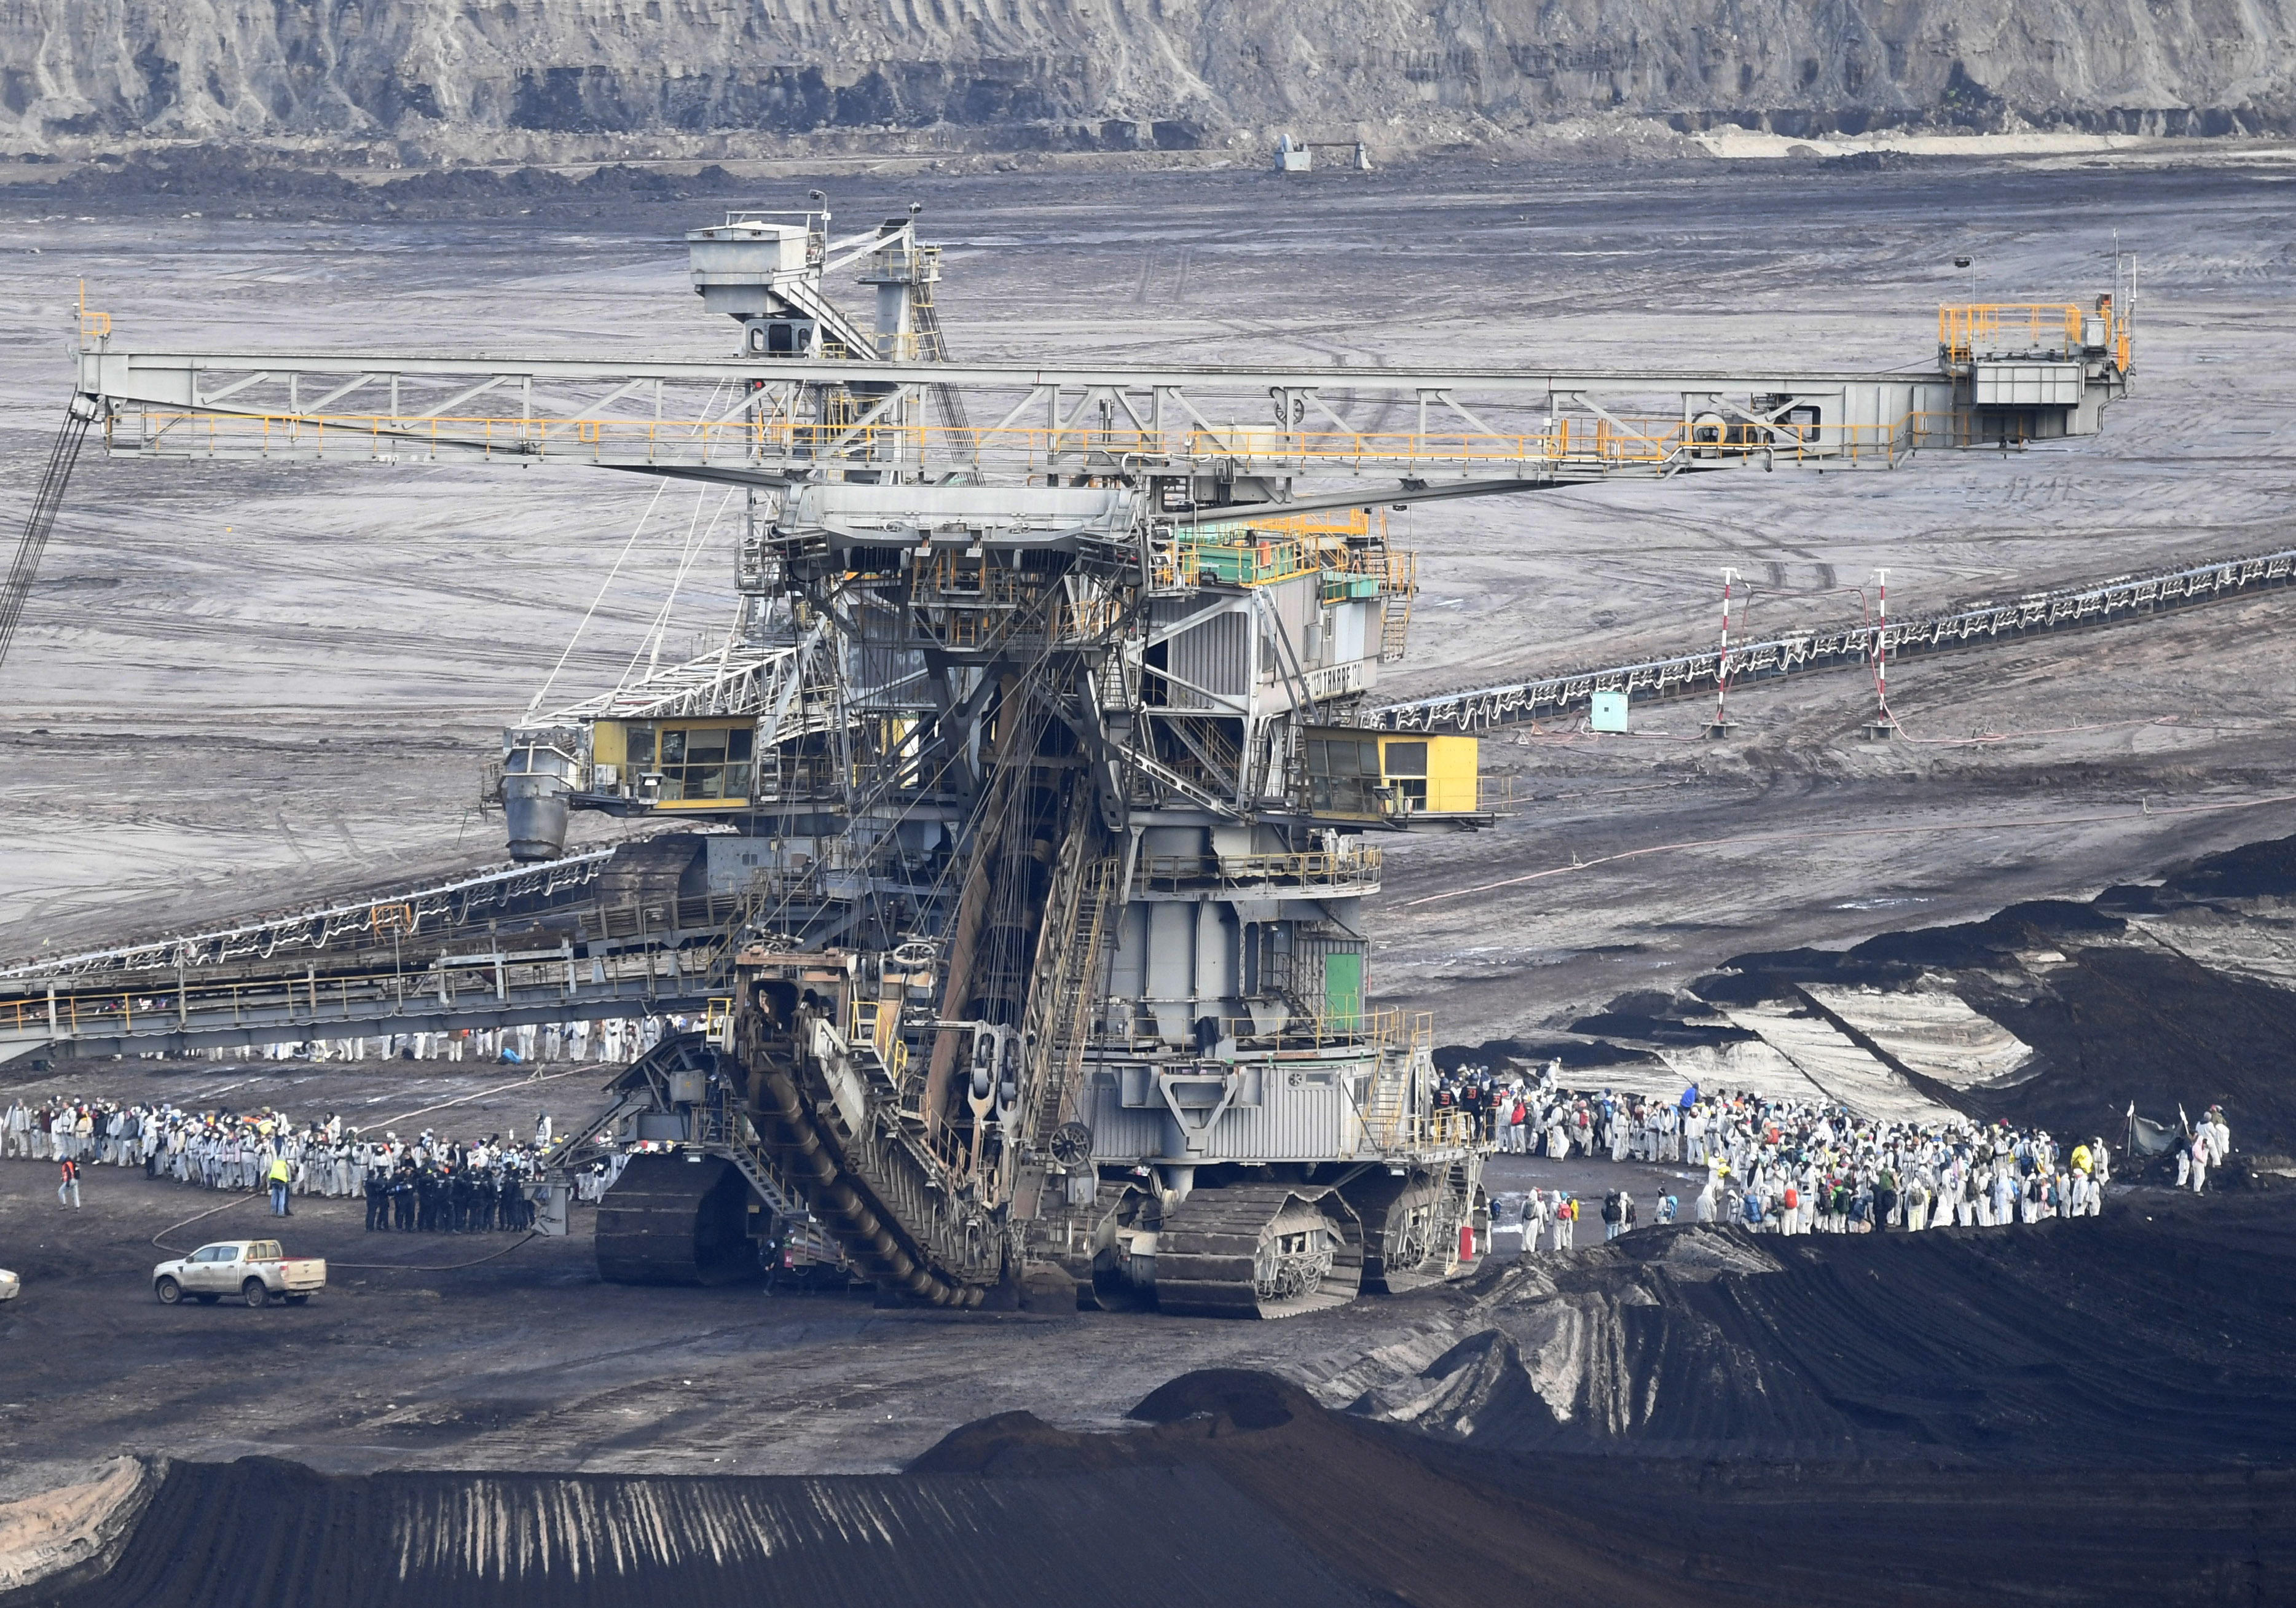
603	589
45	501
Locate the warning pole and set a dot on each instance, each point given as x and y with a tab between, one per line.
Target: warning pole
1884	725
1720	726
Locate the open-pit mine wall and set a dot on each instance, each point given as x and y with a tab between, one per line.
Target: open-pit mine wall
423	81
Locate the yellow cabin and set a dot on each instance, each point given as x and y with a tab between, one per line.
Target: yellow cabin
705	764
1364	776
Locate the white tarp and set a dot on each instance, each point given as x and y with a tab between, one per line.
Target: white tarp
2259	950
1848	1074
1752	1066
1934	1032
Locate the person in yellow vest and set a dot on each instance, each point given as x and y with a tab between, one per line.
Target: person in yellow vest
280	1174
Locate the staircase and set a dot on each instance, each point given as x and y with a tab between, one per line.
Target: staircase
933	346
1058	1018
1387	1111
1394	605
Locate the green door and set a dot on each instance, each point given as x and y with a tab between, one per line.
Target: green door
1342	990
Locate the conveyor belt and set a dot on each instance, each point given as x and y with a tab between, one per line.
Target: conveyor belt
1847	646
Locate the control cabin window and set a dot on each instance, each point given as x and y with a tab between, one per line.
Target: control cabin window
1406	770
1343	775
703	762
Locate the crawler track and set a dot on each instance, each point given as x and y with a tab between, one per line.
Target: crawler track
671	1221
1219	1252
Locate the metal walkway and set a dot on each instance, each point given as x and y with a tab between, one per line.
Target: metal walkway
527	945
1845	646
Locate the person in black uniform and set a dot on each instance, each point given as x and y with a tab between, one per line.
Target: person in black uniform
484	1198
377	1200
458	1201
772	1251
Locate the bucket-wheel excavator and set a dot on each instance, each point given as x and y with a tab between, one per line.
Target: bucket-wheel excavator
1043	734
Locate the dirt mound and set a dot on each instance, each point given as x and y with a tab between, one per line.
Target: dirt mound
2154	1029
2094	1413
2265	870
260	1532
261	187
1238	1395
2159	1334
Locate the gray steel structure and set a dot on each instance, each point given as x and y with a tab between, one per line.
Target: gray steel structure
1039	739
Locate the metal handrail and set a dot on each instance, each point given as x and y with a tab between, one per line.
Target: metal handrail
1359	864
1608	441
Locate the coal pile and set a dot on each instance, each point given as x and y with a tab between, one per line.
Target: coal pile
1458	1523
2158	1335
261	1533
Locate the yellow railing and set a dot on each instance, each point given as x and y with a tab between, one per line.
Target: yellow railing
1380	1027
1317	869
878	1023
1244	557
94	326
2028	326
1338	521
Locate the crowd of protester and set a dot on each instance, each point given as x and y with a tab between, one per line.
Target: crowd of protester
616	1040
1780	1165
427	1182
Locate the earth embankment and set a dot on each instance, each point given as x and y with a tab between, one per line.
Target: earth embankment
491	83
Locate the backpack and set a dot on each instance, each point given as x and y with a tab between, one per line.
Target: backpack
1793	1197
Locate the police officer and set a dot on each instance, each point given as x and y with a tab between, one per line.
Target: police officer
377	1200
773	1251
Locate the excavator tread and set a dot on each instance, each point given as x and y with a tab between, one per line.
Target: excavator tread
1207	1248
668	1220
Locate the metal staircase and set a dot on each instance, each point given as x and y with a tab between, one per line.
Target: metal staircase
1401	582
1067	966
933	346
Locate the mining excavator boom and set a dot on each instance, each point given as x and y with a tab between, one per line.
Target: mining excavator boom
1051	752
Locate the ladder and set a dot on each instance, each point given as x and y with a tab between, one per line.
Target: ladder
1401	581
1060	1013
933	346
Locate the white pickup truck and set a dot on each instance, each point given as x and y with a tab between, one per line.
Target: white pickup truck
254	1270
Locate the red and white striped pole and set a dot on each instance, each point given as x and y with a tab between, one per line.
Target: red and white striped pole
1721	726
1883	724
